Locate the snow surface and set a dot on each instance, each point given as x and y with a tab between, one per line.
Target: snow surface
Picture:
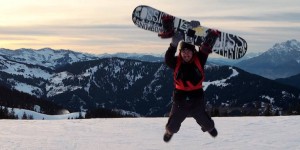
235	133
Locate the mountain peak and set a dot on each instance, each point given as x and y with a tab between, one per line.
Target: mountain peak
290	45
46	49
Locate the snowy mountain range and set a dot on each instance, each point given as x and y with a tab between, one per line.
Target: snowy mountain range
135	56
231	62
81	82
45	57
137	86
280	61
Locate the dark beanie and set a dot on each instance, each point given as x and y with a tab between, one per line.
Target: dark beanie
183	45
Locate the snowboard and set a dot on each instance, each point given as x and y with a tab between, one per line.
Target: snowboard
227	45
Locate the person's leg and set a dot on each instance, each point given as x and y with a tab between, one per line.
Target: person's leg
177	116
203	119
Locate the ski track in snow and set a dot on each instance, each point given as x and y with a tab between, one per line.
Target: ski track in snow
221	82
235	133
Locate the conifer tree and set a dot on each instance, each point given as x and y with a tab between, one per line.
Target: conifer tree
24	116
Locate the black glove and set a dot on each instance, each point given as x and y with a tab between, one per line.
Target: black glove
167	29
176	38
210	40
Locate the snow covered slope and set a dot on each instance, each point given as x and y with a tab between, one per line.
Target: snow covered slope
40	116
237	133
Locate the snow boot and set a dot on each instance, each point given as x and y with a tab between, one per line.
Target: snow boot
213	132
167	136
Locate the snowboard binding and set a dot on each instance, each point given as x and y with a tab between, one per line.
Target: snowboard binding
167	30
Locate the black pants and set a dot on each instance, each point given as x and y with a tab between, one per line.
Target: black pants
188	104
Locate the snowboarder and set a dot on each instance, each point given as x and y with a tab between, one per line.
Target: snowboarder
188	95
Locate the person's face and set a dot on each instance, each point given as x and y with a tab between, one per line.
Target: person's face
186	55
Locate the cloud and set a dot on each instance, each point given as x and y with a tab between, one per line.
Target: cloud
105	26
93	38
272	17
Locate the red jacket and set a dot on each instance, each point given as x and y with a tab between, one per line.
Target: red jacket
187	76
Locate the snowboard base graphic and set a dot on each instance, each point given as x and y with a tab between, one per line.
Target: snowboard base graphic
226	45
